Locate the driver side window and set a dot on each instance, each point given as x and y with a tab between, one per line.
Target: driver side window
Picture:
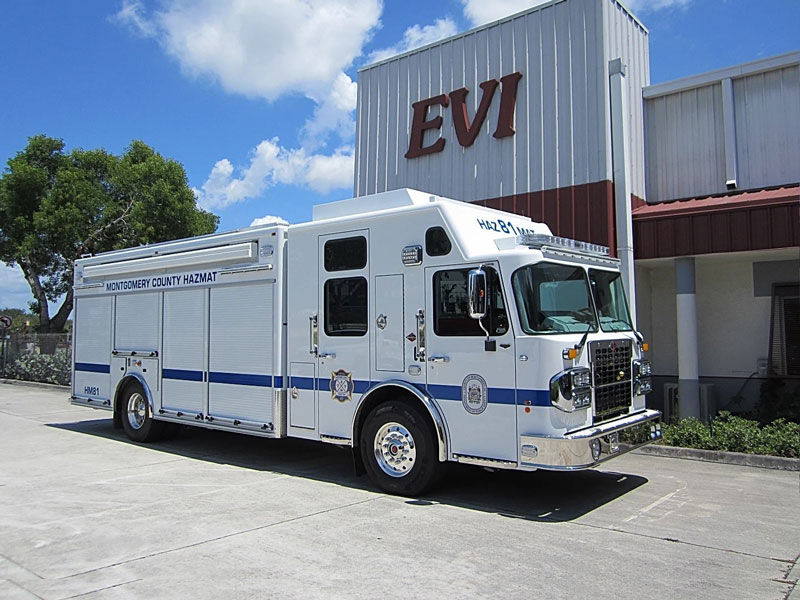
450	305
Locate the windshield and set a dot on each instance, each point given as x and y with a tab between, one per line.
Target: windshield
553	298
609	298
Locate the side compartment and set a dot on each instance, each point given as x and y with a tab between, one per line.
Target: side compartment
240	371
92	349
185	356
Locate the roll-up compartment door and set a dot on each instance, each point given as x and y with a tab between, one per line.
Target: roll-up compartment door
184	351
137	319
92	347
241	352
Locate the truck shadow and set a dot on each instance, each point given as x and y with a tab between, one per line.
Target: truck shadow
544	496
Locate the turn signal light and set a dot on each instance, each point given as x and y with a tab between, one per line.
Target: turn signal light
645	346
572	353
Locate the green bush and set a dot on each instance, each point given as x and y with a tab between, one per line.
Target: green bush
688	433
730	433
46	368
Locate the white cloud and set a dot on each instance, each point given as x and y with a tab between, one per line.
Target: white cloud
480	11
416	37
270	165
260	48
333	113
14	290
269	220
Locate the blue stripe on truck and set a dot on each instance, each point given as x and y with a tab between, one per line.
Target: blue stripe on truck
182	374
92	367
240	379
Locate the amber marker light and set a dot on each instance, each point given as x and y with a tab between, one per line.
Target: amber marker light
645	347
572	353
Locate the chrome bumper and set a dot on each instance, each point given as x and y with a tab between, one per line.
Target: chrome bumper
585	448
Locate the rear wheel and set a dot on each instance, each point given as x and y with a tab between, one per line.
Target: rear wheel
399	450
137	418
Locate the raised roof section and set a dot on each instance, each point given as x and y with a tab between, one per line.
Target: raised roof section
375	202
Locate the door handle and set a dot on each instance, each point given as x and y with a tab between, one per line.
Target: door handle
439	359
330	355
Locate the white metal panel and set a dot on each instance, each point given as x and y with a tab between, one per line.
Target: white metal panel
246	403
240	339
92	347
685	144
93	330
302	395
137	322
561	115
389	332
685	131
767	113
241	352
184	350
626	38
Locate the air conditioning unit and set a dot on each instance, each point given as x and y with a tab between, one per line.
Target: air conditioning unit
671	411
708	405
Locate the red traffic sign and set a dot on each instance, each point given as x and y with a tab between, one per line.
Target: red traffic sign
5	321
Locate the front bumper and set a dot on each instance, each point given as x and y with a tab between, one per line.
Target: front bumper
588	447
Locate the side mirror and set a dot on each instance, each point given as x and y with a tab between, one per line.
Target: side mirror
476	291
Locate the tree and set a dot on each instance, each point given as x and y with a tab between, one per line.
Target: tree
57	206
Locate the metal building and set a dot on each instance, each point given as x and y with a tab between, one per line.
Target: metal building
549	113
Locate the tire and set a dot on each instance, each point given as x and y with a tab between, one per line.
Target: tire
399	449
137	419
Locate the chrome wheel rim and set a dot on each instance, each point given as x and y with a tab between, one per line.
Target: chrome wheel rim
395	450
137	410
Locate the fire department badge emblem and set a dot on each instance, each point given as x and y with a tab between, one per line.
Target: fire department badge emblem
474	394
342	385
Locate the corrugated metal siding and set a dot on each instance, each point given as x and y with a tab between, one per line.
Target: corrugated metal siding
561	115
767	108
685	153
625	38
685	137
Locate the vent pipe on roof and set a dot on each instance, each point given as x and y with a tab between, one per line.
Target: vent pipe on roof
621	176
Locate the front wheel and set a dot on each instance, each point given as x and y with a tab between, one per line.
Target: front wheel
137	418
399	450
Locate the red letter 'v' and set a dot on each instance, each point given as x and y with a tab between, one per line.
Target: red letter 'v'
466	132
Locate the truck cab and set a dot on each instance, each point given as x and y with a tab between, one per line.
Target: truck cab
383	296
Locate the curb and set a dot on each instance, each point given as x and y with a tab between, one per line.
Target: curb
729	458
45	386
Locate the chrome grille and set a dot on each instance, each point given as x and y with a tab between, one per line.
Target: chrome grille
611	377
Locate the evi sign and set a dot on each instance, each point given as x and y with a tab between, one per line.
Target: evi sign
466	132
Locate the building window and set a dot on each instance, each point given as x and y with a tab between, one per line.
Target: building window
784	335
450	305
436	242
346	254
346	306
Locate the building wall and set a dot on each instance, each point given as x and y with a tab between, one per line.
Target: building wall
695	141
562	118
733	318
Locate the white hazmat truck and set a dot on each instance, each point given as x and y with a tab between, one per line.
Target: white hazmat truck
411	328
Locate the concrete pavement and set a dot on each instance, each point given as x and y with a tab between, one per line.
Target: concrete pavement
86	513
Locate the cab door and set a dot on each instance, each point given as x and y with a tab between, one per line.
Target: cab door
471	377
343	349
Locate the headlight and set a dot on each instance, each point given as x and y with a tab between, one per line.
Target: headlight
642	386
571	390
642	368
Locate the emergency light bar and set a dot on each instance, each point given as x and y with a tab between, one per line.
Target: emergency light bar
539	240
245	252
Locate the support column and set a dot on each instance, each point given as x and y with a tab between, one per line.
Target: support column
621	174
688	368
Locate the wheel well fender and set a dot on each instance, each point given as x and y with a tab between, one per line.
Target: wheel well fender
401	390
123	383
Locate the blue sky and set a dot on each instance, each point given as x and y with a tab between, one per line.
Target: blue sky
257	97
